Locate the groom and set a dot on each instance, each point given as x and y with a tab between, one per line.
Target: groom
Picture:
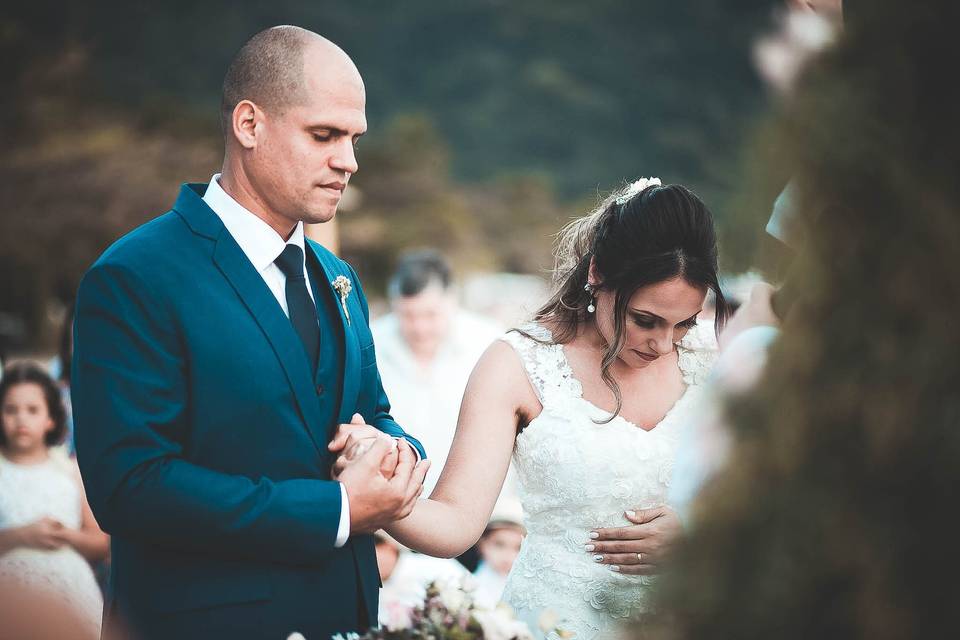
218	357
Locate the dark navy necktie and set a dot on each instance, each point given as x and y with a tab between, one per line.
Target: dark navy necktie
303	312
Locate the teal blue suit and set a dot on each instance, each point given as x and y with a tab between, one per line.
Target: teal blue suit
202	434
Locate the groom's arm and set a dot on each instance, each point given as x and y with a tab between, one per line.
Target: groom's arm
130	404
381	418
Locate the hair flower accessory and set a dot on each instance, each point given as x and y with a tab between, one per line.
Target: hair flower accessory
637	187
343	286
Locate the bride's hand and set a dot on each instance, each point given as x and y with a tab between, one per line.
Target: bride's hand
639	548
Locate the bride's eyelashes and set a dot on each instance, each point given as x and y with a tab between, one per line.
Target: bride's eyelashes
645	322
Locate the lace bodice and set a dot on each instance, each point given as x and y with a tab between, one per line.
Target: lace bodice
576	475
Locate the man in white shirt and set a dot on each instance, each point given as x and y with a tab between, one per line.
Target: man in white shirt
426	348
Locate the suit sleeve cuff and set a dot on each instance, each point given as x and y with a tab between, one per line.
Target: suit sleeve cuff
343	531
415	450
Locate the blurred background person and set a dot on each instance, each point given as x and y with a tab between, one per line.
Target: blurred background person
498	547
426	348
59	369
47	531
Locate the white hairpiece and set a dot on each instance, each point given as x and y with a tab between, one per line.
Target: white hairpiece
637	187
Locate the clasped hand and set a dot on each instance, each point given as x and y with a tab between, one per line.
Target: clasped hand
380	474
46	533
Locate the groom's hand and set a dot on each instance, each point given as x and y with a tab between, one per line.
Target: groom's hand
376	500
639	548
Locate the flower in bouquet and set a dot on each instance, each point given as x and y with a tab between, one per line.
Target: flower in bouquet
453	596
448	613
499	624
397	616
549	623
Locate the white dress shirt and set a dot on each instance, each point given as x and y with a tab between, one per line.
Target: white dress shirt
262	245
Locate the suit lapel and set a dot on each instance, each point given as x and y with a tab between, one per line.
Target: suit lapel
351	347
262	305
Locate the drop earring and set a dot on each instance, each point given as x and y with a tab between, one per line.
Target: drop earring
591	306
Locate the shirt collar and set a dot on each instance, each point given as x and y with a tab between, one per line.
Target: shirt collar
261	244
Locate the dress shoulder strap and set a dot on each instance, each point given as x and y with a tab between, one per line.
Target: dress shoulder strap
545	363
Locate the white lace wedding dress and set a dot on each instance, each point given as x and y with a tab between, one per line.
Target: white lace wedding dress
574	476
27	494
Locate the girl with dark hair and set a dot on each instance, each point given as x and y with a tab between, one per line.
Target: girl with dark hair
47	531
589	399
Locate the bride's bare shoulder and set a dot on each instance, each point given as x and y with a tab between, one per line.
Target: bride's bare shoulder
500	374
500	358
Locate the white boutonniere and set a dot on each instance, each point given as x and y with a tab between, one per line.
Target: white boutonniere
343	286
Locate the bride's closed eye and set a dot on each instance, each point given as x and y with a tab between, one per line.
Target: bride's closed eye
649	323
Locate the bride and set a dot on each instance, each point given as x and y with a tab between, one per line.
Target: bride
588	400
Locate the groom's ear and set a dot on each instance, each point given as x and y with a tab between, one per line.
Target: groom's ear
246	115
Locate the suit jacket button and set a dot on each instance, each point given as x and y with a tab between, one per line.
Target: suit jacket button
319	389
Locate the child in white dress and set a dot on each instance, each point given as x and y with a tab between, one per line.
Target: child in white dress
48	535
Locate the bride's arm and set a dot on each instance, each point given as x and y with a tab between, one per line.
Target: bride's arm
452	519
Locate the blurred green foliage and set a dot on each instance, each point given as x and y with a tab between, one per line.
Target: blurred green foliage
492	122
833	518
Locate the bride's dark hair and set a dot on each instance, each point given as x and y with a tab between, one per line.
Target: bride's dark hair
658	234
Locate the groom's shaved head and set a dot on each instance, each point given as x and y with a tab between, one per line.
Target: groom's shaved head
269	70
294	106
